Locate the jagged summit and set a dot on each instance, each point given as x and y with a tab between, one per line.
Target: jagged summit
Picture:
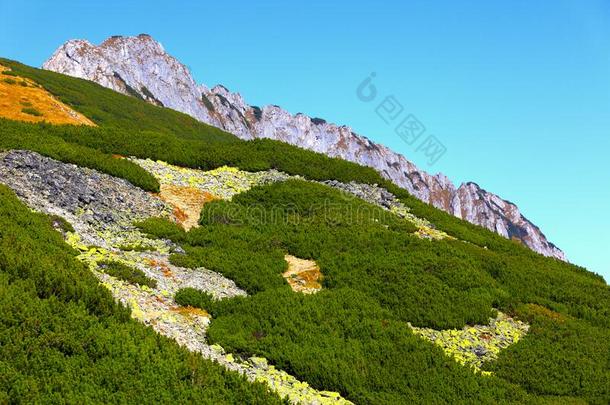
159	79
139	66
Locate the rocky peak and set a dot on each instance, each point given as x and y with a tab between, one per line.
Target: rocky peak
139	66
159	78
472	203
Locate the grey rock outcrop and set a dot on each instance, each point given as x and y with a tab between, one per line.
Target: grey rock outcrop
139	66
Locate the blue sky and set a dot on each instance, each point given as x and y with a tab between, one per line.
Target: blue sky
518	92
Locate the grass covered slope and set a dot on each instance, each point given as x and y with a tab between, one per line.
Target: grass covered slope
64	340
353	336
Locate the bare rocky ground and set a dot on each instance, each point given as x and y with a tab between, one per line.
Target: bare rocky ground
102	210
475	345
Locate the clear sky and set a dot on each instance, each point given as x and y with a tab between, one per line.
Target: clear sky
518	92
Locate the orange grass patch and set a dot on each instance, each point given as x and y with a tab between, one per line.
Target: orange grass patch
303	275
187	203
19	95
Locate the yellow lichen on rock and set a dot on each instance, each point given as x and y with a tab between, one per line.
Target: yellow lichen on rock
474	345
304	276
427	232
223	182
189	311
23	99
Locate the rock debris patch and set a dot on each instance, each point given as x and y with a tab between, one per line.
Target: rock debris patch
223	182
100	207
475	345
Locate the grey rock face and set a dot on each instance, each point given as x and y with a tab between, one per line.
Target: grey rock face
95	204
475	204
159	79
90	195
139	66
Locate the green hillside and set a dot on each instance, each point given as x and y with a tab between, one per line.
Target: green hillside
63	337
64	340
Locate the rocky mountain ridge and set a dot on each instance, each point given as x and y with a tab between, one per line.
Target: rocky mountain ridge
140	67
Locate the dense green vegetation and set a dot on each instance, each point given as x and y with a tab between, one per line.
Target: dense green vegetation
31	111
562	356
64	340
195	298
9	73
352	337
126	273
378	277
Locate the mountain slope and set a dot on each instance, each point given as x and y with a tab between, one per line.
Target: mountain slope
65	340
456	314
139	66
